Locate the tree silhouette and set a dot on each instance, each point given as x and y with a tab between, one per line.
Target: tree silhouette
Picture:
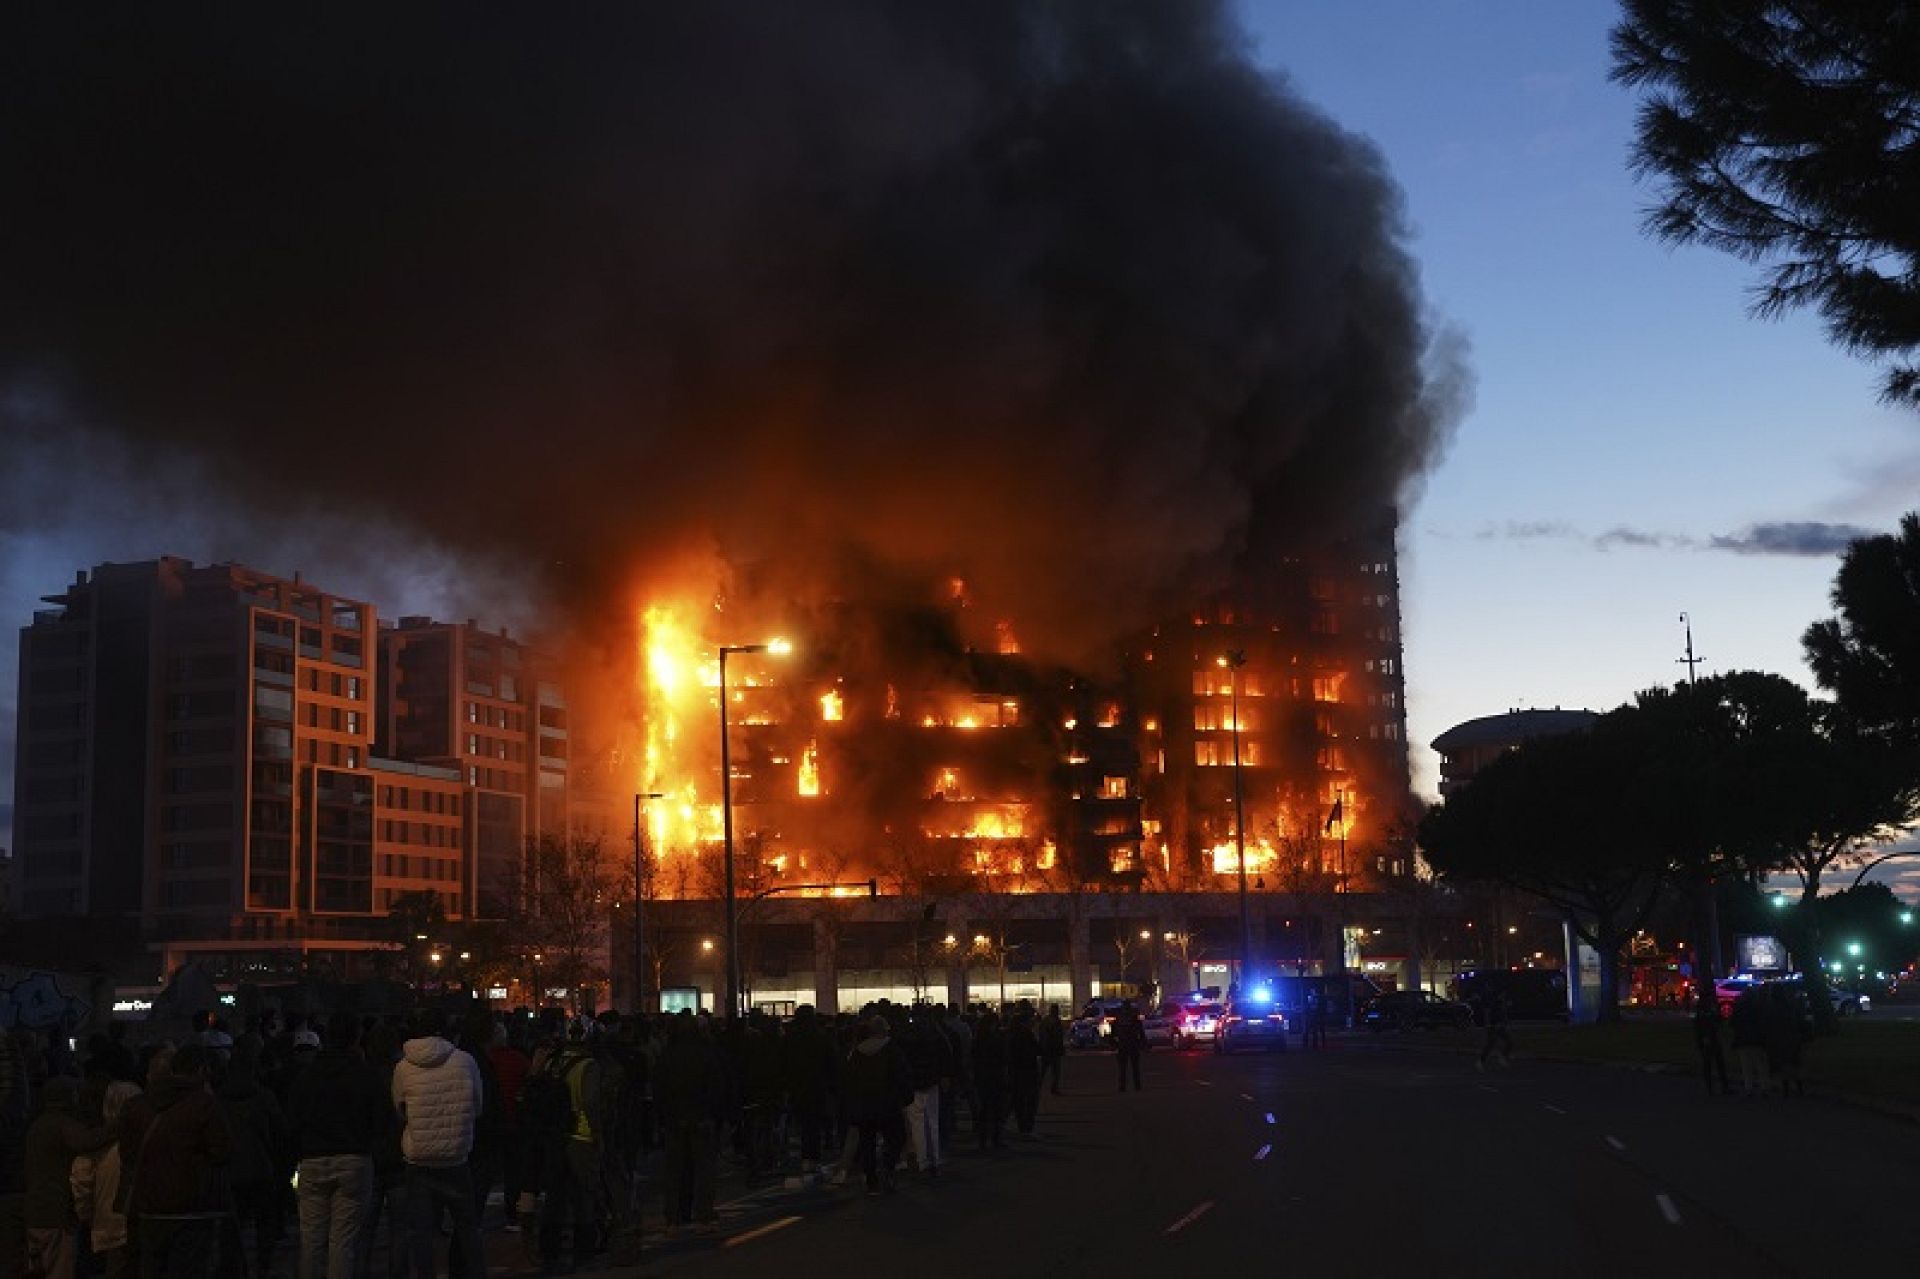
1868	656
1783	131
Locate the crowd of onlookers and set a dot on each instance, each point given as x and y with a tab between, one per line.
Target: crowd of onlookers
382	1139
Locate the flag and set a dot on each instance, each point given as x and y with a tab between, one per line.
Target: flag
1334	817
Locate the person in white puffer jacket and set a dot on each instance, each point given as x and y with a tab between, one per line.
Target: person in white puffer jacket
436	1090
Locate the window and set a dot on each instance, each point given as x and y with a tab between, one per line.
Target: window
353	687
1113	788
353	722
1209	754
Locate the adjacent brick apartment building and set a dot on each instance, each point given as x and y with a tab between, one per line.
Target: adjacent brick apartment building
200	755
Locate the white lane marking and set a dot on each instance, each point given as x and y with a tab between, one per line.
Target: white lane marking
1616	1143
1488	1088
1555	1109
1269	1116
1204	1083
757	1232
1246	1096
1667	1210
1190	1218
1262	1153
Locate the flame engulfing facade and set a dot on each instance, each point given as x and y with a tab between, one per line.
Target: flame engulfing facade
889	746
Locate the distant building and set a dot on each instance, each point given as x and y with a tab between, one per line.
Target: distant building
197	755
489	709
1467	748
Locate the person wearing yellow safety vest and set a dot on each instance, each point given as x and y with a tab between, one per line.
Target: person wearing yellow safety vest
573	1142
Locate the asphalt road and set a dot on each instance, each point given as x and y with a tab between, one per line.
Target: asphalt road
1378	1155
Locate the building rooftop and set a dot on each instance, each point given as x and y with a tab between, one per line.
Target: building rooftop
1511	729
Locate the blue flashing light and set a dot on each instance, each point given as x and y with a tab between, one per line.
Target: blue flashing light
1262	995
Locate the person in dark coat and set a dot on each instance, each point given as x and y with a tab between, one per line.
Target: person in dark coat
1023	1069
179	1192
1129	1042
1749	1026
1706	1038
990	1079
1785	1037
259	1171
339	1115
690	1094
879	1085
53	1141
810	1071
1053	1047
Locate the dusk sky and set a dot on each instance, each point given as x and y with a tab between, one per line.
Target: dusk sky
1637	446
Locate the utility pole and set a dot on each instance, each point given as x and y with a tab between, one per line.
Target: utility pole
1689	661
1692	663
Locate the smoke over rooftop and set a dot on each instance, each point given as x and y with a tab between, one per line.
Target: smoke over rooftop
1070	300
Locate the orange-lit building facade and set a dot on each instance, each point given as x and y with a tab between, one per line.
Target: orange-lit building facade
207	752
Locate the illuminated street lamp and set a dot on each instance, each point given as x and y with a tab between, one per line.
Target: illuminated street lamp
1853	948
1233	661
778	648
640	895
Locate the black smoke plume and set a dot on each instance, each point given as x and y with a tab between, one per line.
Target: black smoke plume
1068	299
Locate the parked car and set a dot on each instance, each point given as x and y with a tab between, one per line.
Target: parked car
1090	1028
1251	1023
1160	1025
1094	1027
1532	993
1415	1010
1846	1001
1196	1023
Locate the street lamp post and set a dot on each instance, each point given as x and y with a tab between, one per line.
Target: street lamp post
726	822
1233	661
640	903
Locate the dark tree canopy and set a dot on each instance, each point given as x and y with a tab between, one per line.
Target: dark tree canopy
1562	819
1788	132
1868	656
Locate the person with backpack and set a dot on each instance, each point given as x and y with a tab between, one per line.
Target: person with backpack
930	1063
437	1094
565	1113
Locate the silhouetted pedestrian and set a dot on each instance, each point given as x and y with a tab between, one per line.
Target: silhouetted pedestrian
1749	1025
1053	1047
1785	1039
1497	1045
990	1079
1129	1041
879	1089
1706	1037
1023	1069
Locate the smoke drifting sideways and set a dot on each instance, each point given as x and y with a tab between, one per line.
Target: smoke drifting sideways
1069	300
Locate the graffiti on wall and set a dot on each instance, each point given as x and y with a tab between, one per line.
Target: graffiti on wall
35	999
